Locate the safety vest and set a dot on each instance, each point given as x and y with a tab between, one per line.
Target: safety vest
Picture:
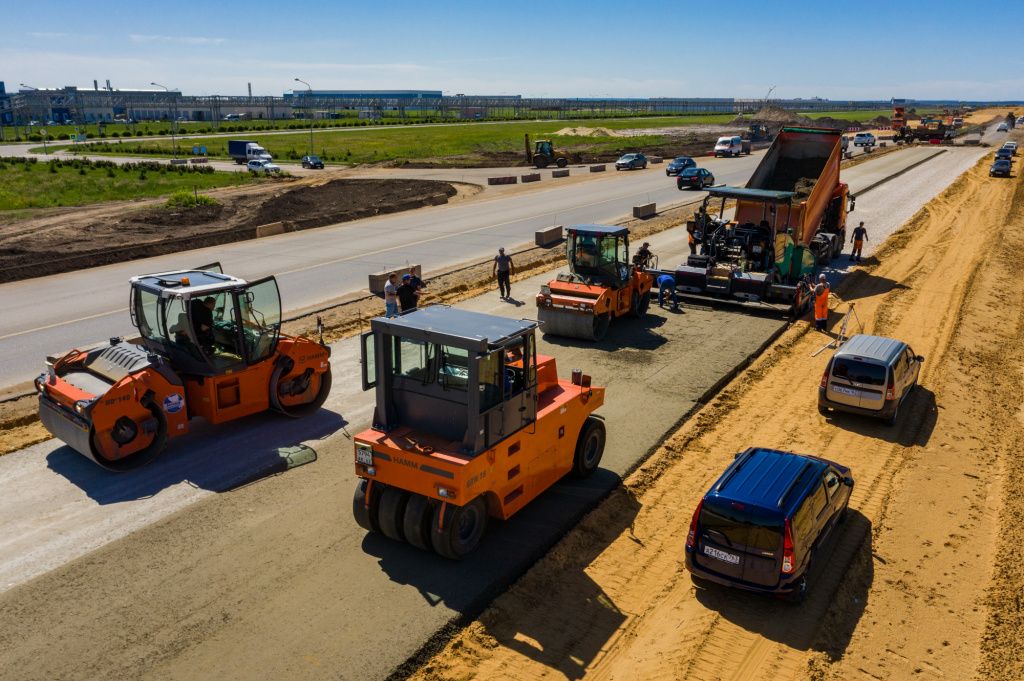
821	302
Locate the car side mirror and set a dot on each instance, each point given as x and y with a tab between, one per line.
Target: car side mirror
919	358
848	481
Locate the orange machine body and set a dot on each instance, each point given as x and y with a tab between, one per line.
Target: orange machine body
508	475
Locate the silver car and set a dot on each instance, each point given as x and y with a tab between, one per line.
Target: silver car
871	376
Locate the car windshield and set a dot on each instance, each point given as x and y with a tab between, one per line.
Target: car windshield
682	159
859	372
689	172
314	159
730	524
628	157
724	140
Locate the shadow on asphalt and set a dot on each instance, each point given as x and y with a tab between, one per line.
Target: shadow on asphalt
214	458
508	549
624	332
917	418
840	578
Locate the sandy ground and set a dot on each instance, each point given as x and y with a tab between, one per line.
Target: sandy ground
925	580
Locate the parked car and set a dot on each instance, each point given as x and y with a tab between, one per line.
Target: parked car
631	162
864	139
731	146
679	164
312	162
1005	153
1003	127
766	519
1012	146
1001	167
871	376
696	178
258	166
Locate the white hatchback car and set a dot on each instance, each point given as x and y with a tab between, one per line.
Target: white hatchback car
265	167
863	139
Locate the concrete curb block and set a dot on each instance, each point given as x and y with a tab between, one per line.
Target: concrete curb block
560	173
645	210
655	160
502	180
598	169
548	236
178	161
900	172
530	177
271	229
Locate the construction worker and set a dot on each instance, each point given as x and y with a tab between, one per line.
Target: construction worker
858	237
643	256
503	269
391	296
691	240
821	292
667	283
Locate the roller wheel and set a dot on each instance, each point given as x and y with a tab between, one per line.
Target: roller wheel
366	516
645	304
634	305
463	529
391	513
419	513
282	393
601	323
589	448
126	431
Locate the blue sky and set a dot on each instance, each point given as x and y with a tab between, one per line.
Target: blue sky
836	50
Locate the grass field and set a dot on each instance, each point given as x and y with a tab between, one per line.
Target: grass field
351	146
77	183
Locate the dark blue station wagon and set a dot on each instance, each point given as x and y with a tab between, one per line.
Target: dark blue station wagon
765	519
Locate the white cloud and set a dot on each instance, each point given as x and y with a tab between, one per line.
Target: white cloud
178	39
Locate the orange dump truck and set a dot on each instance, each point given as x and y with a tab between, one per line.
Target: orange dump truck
790	218
470	423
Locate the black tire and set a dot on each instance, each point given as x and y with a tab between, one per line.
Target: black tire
391	513
589	448
419	512
366	515
700	185
645	304
634	305
823	410
562	162
463	528
141	457
299	410
891	421
601	324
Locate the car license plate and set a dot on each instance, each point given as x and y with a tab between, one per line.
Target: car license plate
845	391
721	555
364	456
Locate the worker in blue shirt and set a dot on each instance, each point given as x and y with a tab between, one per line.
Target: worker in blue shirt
667	283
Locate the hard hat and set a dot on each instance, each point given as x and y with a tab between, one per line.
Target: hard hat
406	277
821	277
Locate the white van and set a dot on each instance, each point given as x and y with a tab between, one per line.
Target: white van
731	146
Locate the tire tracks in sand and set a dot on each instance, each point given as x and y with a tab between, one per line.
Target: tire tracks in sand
612	601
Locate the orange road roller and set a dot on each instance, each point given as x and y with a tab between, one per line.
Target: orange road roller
601	284
470	423
210	345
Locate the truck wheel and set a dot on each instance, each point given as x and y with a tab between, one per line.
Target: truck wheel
366	516
589	448
562	162
416	521
463	529
391	513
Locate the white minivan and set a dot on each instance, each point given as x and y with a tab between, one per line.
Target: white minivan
730	146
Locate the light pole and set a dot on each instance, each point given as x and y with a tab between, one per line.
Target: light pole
309	94
174	123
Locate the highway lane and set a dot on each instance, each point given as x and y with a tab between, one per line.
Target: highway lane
275	580
55	313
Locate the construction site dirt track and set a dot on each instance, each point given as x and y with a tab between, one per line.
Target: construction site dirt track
926	575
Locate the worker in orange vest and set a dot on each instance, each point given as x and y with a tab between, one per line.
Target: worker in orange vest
821	292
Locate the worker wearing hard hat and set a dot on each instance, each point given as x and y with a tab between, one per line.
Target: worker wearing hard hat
821	292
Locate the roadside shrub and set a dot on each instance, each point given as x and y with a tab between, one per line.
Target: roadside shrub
81	171
53	167
142	175
184	199
110	172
